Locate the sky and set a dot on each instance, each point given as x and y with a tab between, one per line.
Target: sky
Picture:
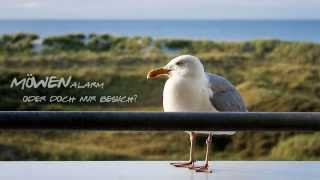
159	9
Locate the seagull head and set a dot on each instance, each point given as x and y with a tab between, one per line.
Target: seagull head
185	66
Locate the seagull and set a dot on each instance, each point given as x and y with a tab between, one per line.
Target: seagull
190	89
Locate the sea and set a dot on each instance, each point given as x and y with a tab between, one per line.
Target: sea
218	30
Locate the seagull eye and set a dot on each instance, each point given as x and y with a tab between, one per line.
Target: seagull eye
179	63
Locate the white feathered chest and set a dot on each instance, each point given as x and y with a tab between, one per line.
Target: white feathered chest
185	95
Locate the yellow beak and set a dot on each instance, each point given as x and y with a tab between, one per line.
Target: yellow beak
157	72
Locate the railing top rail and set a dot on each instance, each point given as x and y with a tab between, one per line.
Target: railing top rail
141	121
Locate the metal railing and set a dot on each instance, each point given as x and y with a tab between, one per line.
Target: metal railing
141	121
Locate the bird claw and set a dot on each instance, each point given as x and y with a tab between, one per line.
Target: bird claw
204	170
183	164
201	169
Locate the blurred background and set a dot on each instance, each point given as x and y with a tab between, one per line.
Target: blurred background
269	50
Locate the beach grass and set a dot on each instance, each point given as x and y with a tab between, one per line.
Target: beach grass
271	75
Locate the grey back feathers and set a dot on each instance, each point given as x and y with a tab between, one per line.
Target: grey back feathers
225	96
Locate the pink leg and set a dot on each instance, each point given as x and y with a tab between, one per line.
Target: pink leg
191	161
205	167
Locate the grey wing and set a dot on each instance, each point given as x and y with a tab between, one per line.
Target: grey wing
225	96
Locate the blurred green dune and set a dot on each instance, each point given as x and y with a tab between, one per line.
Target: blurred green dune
272	75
